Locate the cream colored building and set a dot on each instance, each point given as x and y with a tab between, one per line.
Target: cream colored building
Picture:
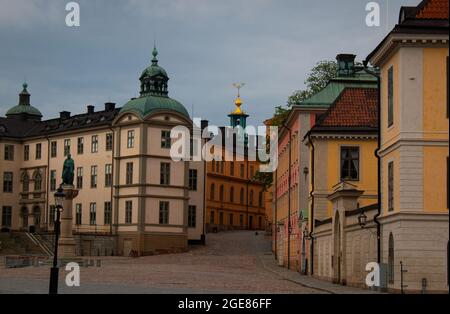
413	59
132	195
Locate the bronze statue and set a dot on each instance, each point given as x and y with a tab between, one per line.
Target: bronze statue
68	171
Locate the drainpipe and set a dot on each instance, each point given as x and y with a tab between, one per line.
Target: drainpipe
378	214
47	183
112	180
311	194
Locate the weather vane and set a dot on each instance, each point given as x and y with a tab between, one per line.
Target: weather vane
238	87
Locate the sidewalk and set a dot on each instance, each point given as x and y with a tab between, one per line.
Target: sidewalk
270	264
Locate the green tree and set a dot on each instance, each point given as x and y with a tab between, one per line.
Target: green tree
317	79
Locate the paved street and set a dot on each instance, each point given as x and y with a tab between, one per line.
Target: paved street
233	262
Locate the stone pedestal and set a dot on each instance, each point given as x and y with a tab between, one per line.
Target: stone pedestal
66	244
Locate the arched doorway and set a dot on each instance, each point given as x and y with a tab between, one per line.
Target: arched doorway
337	255
24	213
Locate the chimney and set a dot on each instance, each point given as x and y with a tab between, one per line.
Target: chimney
63	115
90	109
346	64
110	106
204	124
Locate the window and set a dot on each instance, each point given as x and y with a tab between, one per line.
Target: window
259	222
108	175
221	193
130	139
9	152
38	151
192	216
93	176
128	212
26	152
231	168
350	163
260	199
52	215
6	216
212	192
251	197
165	173
221	218
53	149
164	213
80	145
211	217
193	179
94	144
66	147
129	173
390	90
52	180
79	177
241	170
165	139
241	196
109	141
231	194
93	214
391	186
26	182
391	259
108	213
241	220
37	181
230	219
8	182
78	213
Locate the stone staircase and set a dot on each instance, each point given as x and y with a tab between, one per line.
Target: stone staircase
22	243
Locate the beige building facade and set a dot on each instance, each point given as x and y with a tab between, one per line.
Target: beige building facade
132	196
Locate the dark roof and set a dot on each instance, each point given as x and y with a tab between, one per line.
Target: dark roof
18	128
356	109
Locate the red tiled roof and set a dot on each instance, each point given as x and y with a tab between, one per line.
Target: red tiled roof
433	9
355	107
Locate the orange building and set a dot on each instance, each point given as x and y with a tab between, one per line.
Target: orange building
234	201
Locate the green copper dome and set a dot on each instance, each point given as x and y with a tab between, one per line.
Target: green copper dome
24	107
154	93
143	106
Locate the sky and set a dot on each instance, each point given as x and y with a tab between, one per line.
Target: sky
204	45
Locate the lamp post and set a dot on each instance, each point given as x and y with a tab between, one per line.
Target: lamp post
54	271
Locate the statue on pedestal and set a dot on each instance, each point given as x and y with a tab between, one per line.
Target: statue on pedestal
68	171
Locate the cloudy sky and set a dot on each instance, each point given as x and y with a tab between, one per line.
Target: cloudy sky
205	46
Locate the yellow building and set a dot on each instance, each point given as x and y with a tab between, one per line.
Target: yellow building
234	200
343	184
413	60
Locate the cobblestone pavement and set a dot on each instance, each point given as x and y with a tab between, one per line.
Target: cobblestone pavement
232	262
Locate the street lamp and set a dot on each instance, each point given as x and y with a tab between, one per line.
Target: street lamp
362	220
54	271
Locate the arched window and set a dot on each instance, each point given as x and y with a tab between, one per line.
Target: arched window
221	193
391	261
241	196
212	192
251	197
26	182
231	194
37	181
